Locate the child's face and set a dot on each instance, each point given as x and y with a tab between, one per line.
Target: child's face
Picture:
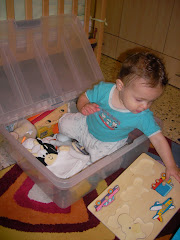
137	96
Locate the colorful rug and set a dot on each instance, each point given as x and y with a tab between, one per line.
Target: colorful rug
27	213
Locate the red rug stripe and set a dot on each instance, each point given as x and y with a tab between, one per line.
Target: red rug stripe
23	200
153	150
111	178
58	228
11	176
77	227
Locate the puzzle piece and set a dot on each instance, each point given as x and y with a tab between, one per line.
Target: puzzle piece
161	208
109	198
161	186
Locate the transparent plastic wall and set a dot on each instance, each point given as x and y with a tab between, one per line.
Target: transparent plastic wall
43	63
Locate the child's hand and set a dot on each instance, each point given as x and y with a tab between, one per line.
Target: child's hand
90	108
175	172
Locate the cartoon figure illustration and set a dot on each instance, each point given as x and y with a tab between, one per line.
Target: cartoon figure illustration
103	116
108	120
161	186
114	125
161	208
109	198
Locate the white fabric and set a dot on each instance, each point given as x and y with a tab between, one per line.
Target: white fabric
74	126
69	163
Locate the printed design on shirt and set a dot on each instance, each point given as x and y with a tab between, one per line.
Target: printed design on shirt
109	120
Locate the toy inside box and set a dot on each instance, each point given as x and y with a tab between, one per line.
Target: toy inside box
44	65
139	203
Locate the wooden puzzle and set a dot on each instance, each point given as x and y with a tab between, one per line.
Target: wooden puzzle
139	203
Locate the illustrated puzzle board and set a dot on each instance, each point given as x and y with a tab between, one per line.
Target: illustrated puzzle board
139	203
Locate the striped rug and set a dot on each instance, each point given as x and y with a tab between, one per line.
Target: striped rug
26	213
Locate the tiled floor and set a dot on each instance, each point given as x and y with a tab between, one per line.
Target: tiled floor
167	107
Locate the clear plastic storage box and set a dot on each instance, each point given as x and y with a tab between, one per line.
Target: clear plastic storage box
44	64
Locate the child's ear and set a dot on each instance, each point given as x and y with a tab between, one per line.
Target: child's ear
119	84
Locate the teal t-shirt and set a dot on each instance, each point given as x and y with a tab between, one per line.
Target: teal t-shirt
111	124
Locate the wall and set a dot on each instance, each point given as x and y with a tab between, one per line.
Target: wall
153	25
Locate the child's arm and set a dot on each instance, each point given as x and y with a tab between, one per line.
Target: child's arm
162	147
85	107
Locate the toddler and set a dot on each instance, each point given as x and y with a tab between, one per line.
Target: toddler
109	112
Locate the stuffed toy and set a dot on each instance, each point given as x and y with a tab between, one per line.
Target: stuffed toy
68	162
57	140
48	159
64	161
23	130
60	140
33	146
47	146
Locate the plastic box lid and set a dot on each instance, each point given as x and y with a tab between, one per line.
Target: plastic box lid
43	64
